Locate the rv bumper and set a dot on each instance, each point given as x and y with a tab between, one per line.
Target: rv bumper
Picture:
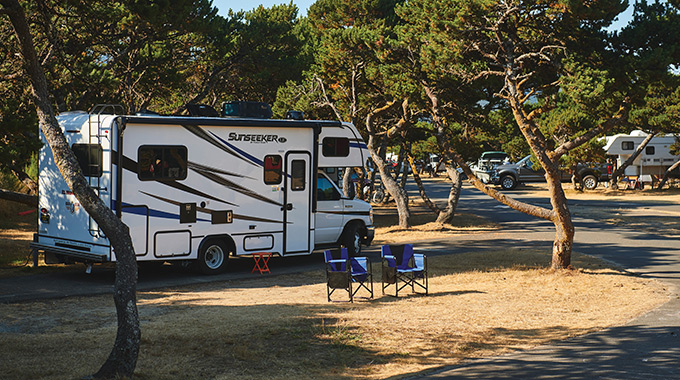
79	255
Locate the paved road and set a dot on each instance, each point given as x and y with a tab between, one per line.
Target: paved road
646	348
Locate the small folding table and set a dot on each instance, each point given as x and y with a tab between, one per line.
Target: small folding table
261	262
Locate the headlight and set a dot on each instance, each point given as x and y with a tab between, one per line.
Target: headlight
370	214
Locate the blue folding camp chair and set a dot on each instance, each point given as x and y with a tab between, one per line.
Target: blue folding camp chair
401	265
351	274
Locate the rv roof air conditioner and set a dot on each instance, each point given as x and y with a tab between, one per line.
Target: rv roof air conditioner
255	110
295	115
202	110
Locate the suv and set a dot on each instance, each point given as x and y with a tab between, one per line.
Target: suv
510	175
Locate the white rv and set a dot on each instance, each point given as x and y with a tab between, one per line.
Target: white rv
203	188
653	160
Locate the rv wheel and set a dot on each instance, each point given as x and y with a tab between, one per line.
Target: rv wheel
213	257
351	239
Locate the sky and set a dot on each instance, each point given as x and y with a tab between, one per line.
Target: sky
224	5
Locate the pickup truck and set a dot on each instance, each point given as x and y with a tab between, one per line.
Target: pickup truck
508	176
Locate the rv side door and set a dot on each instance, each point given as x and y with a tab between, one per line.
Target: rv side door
297	211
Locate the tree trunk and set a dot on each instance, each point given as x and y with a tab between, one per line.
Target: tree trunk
27	199
564	227
123	358
398	194
446	216
347	185
614	179
454	194
675	165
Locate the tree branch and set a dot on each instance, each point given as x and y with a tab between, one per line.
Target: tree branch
618	119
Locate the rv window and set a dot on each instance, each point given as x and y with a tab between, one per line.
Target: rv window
649	150
325	191
272	170
89	158
627	145
297	175
161	162
335	147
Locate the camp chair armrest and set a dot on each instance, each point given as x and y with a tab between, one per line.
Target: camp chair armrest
420	261
334	261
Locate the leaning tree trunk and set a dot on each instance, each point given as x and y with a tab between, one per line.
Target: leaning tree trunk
446	215
456	183
667	174
421	188
123	358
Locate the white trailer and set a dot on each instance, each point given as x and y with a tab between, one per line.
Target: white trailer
653	160
203	188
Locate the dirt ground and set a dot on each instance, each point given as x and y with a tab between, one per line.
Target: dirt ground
278	327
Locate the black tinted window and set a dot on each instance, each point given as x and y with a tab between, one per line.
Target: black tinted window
162	162
335	147
89	158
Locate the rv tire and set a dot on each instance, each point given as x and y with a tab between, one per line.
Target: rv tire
213	257
352	238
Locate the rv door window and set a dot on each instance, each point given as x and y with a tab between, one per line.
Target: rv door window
649	150
297	175
89	158
272	169
627	145
161	162
335	147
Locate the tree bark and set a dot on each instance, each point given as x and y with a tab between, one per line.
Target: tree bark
614	179
123	358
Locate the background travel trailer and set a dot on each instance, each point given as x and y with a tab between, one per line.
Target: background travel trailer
202	188
654	159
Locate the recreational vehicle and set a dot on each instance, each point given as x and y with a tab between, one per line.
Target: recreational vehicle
652	161
199	189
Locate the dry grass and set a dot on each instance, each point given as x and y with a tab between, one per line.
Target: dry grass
423	225
278	327
16	231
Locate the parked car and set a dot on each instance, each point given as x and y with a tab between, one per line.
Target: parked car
489	160
508	176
